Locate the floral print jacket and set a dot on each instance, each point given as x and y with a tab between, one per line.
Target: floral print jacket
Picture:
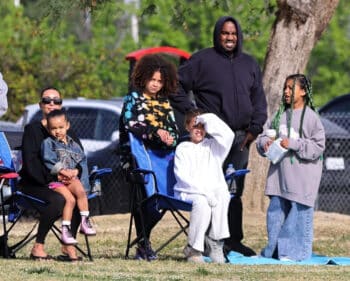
143	115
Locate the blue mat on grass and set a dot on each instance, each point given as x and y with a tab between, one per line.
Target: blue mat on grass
239	259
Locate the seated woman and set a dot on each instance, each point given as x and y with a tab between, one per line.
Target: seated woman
198	171
35	178
148	115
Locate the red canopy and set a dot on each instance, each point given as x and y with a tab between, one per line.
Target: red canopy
136	55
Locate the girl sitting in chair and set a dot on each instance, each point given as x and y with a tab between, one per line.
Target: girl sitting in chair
148	115
198	171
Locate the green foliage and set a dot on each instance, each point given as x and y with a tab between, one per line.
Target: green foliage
36	53
59	43
189	24
329	65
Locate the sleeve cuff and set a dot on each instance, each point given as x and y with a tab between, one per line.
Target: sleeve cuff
293	144
57	168
255	130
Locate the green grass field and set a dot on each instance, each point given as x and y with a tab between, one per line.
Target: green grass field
332	238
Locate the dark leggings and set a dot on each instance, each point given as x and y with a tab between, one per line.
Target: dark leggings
50	212
239	159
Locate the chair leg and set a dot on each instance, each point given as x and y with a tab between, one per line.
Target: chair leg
10	251
4	237
128	246
182	230
88	248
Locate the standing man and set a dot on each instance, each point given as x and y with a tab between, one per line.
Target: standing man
227	82
3	96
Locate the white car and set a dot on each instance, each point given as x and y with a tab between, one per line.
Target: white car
95	122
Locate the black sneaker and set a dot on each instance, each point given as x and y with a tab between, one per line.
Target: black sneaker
145	253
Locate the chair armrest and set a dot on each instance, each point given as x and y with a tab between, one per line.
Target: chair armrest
5	169
32	198
138	176
99	173
237	173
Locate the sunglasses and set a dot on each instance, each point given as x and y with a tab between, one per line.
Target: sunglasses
48	100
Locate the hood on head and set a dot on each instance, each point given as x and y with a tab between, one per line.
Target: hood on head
216	36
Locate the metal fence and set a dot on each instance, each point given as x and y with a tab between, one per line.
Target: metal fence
334	192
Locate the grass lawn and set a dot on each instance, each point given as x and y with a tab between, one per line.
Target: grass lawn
332	238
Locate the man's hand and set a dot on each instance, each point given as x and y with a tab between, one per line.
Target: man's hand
249	137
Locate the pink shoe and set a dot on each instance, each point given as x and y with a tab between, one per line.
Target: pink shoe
67	237
86	227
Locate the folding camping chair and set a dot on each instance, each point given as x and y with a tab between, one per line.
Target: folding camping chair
17	202
152	180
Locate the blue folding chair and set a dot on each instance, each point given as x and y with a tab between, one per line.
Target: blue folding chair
152	180
152	185
18	202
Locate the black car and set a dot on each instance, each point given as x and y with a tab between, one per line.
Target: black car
334	192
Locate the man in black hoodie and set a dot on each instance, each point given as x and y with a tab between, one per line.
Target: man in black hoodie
227	82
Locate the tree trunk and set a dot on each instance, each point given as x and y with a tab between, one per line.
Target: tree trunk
297	28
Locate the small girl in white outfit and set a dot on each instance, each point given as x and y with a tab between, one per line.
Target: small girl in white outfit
200	179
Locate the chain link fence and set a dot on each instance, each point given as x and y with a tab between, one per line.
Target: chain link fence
334	192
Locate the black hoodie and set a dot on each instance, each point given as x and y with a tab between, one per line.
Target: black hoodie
229	86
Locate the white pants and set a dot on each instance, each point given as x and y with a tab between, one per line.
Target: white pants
204	216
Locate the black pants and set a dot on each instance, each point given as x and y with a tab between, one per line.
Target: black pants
150	215
239	159
51	212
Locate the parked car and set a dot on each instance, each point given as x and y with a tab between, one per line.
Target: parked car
334	193
338	104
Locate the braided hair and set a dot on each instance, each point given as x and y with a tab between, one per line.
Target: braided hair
304	84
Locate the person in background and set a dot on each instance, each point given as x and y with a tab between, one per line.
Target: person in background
293	182
35	178
63	156
3	96
148	115
227	82
200	179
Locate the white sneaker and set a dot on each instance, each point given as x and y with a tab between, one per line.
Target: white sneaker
215	249
285	259
193	255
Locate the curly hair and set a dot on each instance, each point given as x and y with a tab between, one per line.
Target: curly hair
147	66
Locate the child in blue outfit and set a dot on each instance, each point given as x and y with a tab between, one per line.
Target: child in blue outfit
293	182
65	159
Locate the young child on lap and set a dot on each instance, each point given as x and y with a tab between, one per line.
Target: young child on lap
65	159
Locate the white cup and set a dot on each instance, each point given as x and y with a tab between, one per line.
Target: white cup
271	133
